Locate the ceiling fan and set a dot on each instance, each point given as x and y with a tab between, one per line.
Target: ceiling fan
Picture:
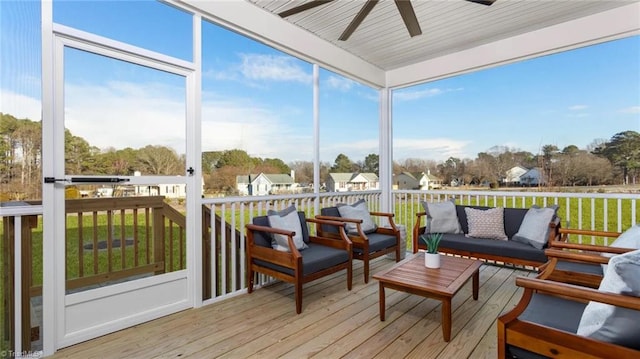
404	7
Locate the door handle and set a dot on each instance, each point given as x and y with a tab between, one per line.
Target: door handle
99	179
86	180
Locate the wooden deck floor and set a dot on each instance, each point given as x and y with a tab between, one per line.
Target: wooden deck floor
335	323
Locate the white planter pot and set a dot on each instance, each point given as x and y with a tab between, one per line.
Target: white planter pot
432	260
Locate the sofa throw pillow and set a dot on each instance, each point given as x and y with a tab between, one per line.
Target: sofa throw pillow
487	223
534	229
357	210
289	220
628	239
442	217
610	323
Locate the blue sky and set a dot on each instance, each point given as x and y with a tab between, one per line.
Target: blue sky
260	100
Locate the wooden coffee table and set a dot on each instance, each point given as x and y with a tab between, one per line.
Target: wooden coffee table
413	277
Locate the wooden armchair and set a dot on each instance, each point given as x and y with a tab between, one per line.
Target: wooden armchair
323	256
546	320
579	264
366	245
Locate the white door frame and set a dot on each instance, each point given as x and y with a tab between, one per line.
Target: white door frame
65	318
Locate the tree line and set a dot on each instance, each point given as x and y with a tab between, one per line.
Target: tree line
613	161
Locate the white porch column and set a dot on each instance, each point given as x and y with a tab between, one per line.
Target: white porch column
51	295
386	151
316	136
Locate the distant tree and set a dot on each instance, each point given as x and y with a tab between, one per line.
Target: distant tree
117	162
485	169
277	164
237	158
371	164
451	169
210	160
223	180
303	171
80	156
417	165
575	167
342	164
548	154
623	150
159	160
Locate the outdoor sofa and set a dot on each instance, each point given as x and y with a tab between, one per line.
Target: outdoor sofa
507	248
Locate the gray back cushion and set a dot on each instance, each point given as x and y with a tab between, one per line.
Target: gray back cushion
263	239
610	323
512	218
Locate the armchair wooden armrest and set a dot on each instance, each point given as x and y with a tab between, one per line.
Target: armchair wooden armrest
418	229
340	241
578	293
588	247
565	232
285	259
359	238
389	217
549	341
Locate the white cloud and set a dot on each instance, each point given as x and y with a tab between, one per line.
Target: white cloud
578	107
356	150
124	114
231	124
630	110
410	95
438	149
20	106
340	83
273	68
578	115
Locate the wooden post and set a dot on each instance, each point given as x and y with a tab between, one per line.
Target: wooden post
8	256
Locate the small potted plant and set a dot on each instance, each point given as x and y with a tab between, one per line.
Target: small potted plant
431	256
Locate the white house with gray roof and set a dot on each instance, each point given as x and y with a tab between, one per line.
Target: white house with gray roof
343	182
265	184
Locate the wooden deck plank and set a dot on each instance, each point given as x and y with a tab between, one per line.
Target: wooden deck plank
335	323
488	345
433	345
405	343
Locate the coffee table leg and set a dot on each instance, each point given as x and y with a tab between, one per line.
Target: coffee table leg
446	319
382	304
476	284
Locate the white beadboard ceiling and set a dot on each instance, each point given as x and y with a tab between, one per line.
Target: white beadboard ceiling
448	26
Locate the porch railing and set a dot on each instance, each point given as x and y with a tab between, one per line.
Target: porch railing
594	211
115	238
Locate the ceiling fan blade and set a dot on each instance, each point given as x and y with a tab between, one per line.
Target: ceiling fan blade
303	7
409	17
483	2
358	19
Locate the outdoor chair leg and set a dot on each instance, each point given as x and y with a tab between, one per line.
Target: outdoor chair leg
365	259
298	294
250	280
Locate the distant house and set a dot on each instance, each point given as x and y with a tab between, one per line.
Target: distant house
520	176
417	181
343	182
533	177
265	184
512	176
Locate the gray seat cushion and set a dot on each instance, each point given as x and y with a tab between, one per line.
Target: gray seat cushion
507	248
587	268
378	241
550	311
314	259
